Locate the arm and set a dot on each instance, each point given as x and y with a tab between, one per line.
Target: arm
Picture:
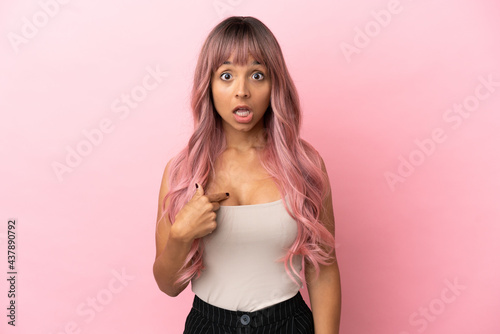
325	292
171	251
196	219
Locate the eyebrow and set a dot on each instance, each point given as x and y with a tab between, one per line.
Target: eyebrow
227	62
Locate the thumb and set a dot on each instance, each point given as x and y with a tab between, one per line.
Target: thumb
199	189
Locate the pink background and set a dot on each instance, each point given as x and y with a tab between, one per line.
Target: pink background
402	243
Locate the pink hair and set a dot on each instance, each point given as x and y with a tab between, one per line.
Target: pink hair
293	163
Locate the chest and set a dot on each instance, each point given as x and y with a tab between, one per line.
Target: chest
259	232
245	179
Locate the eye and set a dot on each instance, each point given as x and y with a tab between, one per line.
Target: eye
225	76
258	74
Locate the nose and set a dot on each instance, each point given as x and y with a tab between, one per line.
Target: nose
242	89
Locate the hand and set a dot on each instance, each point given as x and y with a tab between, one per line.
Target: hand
196	219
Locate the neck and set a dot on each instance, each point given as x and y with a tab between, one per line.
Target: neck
244	141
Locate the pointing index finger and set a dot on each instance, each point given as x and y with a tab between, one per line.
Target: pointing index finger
217	197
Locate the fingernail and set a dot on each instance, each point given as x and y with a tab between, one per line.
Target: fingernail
196	184
227	194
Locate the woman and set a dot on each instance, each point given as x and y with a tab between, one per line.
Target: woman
247	199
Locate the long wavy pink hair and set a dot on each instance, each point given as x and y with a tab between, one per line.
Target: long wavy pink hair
293	163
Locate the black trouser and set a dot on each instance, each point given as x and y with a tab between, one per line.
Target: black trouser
290	316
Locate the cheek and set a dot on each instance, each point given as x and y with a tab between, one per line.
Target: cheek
220	93
221	98
216	95
264	97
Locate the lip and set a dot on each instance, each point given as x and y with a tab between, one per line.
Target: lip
243	106
243	119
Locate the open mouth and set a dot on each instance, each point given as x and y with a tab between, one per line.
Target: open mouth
242	112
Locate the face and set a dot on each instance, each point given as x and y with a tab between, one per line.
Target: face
241	94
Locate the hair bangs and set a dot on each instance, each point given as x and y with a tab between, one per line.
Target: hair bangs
239	40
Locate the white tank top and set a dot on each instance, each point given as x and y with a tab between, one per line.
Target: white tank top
240	258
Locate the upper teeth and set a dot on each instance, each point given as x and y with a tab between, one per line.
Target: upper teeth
242	112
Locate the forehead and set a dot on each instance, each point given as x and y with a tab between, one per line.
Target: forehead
250	61
237	51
